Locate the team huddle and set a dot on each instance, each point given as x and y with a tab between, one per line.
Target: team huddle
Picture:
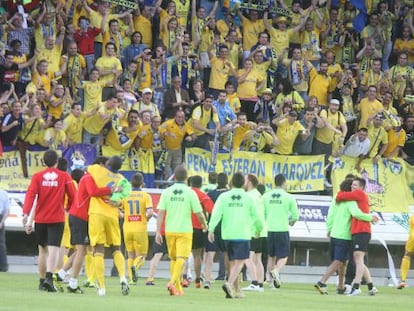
243	221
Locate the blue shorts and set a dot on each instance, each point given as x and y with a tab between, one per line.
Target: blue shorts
237	249
278	244
340	249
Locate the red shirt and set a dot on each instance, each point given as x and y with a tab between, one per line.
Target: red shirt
206	203
50	187
87	189
357	226
86	39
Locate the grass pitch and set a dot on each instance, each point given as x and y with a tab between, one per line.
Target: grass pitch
19	292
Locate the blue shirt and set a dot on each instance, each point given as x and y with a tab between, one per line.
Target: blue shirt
224	112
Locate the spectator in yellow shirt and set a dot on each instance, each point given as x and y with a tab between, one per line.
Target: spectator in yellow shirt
288	129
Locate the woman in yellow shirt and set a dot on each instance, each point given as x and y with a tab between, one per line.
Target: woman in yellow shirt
250	81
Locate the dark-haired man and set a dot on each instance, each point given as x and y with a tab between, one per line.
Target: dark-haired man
177	203
338	226
281	211
104	230
49	186
238	215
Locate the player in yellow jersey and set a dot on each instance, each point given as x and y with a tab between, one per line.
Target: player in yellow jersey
137	211
409	252
104	223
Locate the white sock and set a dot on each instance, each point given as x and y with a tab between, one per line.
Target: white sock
73	283
123	280
62	274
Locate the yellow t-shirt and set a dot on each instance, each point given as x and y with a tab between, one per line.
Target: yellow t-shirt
310	43
334	80
255	140
234	55
52	57
401	44
53	138
144	74
319	86
395	139
135	207
251	32
287	133
94	123
247	88
280	39
43	81
42	32
219	74
73	127
108	63
113	141
234	102
399	85
146	136
182	10
367	109
103	178
376	136
144	26
92	91
325	135
239	133
96	21
170	126
35	133
55	111
203	117
117	39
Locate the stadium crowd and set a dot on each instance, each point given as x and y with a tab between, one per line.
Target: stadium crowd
145	83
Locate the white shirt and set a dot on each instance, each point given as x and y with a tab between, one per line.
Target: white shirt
354	147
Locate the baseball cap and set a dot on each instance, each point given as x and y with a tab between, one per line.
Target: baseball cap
334	101
146	90
267	91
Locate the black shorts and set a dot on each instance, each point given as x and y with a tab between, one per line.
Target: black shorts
49	234
278	244
199	238
340	249
157	248
237	249
360	241
218	244
78	231
258	245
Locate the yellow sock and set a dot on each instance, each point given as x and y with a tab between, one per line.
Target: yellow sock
405	266
130	263
99	268
89	267
172	265
119	261
139	262
177	272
